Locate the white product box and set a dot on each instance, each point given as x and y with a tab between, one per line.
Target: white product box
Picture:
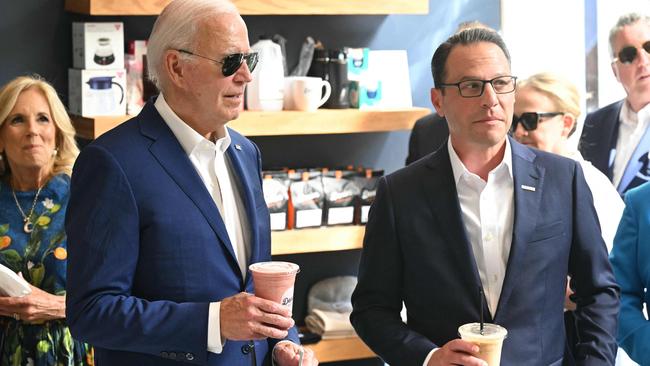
98	45
97	92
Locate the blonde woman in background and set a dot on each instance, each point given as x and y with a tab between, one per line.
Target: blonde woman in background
37	151
547	107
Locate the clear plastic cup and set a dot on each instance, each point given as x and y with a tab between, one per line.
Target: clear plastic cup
275	281
489	343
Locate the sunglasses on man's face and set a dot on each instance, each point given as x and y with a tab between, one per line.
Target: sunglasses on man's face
529	120
628	54
231	63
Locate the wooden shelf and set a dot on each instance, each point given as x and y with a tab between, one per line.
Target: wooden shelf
322	121
258	7
325	239
344	349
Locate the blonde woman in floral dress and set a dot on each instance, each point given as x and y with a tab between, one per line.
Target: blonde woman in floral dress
37	150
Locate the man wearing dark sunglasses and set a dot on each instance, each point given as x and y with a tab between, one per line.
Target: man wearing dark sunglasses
616	138
483	228
166	213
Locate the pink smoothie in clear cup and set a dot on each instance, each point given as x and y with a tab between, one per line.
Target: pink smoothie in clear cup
274	281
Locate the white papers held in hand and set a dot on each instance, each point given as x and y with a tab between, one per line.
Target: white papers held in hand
11	284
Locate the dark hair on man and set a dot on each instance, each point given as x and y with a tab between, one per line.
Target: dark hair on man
465	37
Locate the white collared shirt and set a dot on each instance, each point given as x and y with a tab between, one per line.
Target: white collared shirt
215	169
631	128
487	210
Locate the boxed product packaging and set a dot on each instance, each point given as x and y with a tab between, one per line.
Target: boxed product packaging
276	194
98	45
134	76
379	79
367	183
341	193
307	199
97	92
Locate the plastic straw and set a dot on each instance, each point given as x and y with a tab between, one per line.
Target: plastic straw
480	290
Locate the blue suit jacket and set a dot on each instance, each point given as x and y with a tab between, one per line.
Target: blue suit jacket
599	136
148	250
630	259
416	251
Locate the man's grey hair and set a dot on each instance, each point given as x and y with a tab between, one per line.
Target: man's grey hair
177	27
624	21
465	37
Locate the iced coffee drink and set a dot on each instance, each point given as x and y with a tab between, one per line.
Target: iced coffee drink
275	281
489	342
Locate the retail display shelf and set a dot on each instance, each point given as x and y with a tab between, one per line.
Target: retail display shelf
322	121
258	7
325	239
343	349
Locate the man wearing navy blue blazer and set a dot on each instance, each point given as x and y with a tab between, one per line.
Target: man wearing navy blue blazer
167	212
616	138
483	225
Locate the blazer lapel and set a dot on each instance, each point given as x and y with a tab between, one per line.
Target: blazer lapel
612	132
244	185
528	186
442	197
171	156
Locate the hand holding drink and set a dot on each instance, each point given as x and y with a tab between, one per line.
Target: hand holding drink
268	313
489	340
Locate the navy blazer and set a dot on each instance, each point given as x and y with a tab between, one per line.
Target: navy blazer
148	250
416	251
599	136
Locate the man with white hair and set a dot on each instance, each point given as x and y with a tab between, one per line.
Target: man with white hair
616	138
166	213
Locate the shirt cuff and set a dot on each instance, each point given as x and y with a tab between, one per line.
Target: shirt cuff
215	344
426	360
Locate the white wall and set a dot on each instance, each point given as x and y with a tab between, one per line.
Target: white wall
609	90
547	36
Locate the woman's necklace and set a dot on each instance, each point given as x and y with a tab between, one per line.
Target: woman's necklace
27	219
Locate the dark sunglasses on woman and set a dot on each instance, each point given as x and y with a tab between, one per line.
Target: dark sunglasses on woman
231	63
628	54
529	120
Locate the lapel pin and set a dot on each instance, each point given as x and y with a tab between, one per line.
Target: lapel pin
527	188
238	146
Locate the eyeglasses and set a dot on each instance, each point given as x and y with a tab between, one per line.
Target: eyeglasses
529	120
232	62
629	53
474	87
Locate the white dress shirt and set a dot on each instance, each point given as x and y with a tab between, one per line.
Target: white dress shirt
213	166
487	210
607	202
631	128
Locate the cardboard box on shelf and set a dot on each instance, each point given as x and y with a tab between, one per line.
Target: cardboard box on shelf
97	92
98	45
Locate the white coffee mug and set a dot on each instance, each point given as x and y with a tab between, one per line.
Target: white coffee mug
307	93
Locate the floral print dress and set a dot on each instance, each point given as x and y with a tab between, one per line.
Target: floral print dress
41	258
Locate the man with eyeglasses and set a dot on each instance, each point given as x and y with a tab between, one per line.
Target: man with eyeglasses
484	228
166	213
616	138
